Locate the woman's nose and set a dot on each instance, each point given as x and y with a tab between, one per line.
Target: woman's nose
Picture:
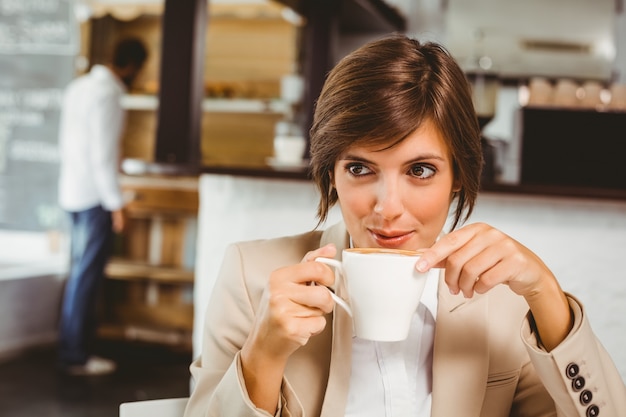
389	201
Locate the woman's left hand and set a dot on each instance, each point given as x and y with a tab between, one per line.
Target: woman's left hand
478	257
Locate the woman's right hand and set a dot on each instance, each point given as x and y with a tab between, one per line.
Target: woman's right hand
290	313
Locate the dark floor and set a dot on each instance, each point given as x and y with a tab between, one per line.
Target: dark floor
30	385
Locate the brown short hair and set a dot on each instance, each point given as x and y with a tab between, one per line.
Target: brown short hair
381	93
129	51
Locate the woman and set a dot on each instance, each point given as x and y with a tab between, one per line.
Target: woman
395	142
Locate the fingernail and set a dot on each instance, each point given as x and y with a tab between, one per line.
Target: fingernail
422	265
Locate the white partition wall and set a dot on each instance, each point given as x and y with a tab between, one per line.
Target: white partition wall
582	241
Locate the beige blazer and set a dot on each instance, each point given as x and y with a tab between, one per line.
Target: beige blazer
482	365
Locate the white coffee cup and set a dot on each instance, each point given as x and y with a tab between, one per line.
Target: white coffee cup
384	290
289	149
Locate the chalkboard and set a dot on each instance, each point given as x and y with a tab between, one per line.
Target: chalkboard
38	45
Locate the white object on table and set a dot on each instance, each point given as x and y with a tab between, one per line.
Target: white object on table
166	407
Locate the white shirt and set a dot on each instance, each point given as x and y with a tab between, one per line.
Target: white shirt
395	378
92	120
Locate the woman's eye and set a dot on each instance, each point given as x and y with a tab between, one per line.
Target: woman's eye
358	169
422	171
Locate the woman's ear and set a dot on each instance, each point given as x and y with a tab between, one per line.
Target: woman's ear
456	186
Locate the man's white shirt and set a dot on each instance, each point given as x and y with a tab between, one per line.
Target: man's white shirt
92	120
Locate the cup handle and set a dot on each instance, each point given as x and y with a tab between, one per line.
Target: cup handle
337	265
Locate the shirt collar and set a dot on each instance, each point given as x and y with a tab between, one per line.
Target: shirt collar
429	295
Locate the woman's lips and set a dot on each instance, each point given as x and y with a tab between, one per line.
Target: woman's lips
391	239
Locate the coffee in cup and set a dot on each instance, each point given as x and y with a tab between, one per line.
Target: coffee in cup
384	290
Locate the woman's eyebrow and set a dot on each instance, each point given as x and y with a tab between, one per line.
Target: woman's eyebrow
416	158
351	157
427	156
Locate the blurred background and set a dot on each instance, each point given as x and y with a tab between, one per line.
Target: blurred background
215	150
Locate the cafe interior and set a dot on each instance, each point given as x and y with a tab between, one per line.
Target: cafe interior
215	151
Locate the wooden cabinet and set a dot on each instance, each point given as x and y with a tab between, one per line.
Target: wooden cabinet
148	290
249	47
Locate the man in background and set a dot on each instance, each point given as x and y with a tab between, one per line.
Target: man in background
92	123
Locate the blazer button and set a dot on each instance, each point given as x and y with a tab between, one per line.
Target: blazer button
572	370
578	383
593	411
585	397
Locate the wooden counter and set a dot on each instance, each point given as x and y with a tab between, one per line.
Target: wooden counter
522	189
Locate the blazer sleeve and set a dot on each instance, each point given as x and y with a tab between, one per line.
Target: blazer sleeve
219	388
579	374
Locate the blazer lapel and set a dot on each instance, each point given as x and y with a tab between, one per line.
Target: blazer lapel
460	355
341	356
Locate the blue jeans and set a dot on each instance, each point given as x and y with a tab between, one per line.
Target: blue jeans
91	237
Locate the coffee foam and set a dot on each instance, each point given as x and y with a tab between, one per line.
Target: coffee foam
384	251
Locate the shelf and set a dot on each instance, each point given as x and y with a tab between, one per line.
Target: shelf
258	172
175	318
167	337
140	102
149	102
189	183
556	191
359	16
122	269
167	201
521	189
244	106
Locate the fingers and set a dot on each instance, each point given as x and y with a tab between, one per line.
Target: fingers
317	272
436	255
315	299
290	285
307	272
473	258
327	251
474	272
305	329
291	311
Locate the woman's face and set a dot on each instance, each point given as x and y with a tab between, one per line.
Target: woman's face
397	197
